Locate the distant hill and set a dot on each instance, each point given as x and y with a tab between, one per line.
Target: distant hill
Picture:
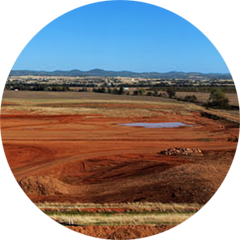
104	73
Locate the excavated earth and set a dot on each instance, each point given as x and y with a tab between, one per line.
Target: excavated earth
90	158
81	159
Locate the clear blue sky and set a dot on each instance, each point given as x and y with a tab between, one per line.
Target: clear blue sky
121	35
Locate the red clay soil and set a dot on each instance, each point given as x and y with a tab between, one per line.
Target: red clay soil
95	160
99	170
90	158
138	181
121	232
50	139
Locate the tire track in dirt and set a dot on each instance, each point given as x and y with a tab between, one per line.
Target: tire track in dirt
31	169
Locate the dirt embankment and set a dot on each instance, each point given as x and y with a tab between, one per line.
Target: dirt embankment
158	180
43	185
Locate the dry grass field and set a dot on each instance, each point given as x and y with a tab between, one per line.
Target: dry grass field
87	96
119	220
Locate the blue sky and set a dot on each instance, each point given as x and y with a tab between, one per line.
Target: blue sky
121	35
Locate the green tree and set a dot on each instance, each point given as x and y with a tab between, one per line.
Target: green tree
171	93
139	92
190	98
155	93
121	90
135	92
103	89
218	99
115	91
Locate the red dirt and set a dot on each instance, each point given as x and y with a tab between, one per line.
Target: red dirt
121	232
90	158
85	155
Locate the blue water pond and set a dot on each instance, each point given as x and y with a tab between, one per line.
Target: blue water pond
157	125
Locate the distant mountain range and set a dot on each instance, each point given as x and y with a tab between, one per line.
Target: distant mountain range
104	73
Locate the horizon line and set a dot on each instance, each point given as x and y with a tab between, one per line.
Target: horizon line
178	71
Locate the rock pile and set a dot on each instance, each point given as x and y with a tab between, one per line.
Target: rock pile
181	151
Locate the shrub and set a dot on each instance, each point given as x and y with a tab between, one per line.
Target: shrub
218	99
190	98
162	94
115	91
121	90
139	92
171	93
149	94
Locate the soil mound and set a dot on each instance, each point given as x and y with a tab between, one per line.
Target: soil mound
182	151
189	183
43	185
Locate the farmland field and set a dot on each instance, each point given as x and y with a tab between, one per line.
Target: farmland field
86	96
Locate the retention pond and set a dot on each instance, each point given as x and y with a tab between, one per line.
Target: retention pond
157	125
